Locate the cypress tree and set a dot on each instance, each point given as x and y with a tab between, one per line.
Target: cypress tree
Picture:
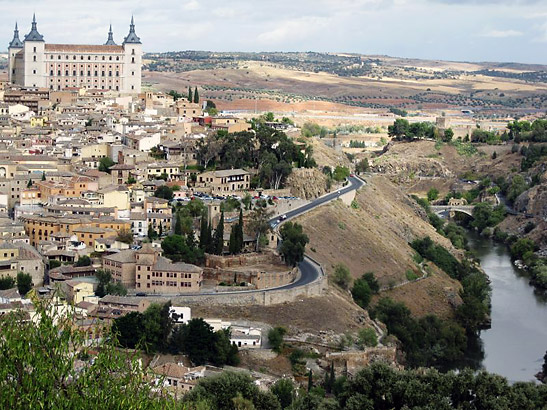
160	233
196	96
190	99
203	242
310	381
29	183
178	224
234	240
218	242
239	232
210	246
43	175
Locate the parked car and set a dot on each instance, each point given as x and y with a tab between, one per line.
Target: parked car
281	218
141	294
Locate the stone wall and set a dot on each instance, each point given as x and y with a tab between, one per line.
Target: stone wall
246	298
259	279
244	259
351	362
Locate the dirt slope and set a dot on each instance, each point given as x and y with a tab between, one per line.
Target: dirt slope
372	238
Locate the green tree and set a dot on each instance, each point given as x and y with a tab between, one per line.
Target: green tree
6	282
178	224
448	135
294	243
362	166
275	338
432	194
367	337
283	389
218	237
521	247
361	292
196	96
219	392
29	184
399	128
205	235
83	260
152	234
340	173
164	192
54	263
190	97
181	249
105	163
125	236
50	376
342	276
24	283
43	175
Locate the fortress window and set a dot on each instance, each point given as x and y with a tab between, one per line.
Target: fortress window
110	58
132	59
102	73
50	72
110	73
88	58
81	57
74	57
132	73
117	73
33	71
34	58
103	58
81	73
67	57
74	72
89	73
96	73
35	49
66	72
133	52
58	57
118	58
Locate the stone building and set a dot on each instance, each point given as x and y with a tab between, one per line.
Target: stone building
33	63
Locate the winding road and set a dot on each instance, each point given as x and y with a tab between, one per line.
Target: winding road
310	270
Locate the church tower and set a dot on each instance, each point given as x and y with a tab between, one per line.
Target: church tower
34	57
14	47
133	60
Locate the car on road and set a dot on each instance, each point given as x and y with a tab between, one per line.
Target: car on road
351	175
281	218
141	294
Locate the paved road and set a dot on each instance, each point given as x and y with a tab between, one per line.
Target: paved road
309	271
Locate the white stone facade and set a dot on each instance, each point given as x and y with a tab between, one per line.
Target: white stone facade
34	63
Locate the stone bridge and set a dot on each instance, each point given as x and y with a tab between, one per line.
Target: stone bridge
450	210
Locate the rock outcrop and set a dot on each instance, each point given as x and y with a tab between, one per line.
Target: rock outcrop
307	183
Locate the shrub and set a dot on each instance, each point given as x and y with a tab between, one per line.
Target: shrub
341	276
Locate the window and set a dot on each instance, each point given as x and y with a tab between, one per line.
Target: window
58	57
33	71
132	59
35	49
34	58
74	57
50	72
103	58
66	72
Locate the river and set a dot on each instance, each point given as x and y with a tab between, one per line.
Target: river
515	344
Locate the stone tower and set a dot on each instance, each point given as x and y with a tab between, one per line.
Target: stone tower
133	58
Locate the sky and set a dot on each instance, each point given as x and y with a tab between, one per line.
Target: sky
456	30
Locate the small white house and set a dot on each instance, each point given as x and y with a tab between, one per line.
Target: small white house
180	315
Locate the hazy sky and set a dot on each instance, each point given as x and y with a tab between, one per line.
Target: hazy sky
468	30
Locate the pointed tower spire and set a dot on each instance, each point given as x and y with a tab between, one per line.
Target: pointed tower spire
16	43
34	35
132	37
110	41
